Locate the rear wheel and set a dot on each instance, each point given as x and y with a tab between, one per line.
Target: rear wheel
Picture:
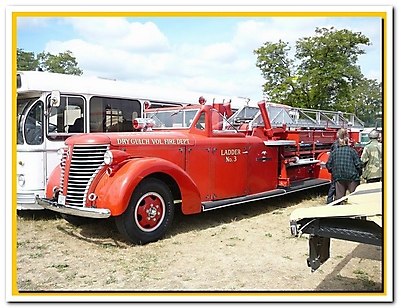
149	213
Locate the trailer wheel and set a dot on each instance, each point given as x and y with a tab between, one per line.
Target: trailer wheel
149	213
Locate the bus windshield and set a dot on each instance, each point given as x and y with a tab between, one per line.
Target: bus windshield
29	121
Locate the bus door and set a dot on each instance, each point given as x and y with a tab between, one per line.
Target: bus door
38	139
30	153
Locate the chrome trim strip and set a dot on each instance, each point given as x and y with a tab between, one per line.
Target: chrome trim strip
37	150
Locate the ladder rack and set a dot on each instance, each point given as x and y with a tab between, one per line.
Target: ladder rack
294	117
311	118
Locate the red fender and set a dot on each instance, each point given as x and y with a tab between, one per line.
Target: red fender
53	181
114	191
323	172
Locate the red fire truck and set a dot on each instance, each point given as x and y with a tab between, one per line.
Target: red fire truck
193	158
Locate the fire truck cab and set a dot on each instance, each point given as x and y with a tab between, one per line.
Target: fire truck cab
197	158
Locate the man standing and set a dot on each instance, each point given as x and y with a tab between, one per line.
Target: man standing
372	158
341	133
345	166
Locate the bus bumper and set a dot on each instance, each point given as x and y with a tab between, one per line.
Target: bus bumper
27	201
73	210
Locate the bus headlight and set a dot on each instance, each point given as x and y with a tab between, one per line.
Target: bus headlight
60	154
21	180
108	157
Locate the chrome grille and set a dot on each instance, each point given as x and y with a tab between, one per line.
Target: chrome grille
63	161
86	162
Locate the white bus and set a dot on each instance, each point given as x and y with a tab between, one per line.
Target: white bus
51	107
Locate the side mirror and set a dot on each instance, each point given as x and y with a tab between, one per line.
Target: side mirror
55	99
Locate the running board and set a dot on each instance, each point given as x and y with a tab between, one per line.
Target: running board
211	205
295	186
306	184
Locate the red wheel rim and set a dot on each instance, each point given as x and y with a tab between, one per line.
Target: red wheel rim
149	212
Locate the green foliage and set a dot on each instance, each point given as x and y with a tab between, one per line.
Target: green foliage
63	63
322	75
26	60
277	70
366	101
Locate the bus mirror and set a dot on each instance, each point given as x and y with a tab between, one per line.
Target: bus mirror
55	99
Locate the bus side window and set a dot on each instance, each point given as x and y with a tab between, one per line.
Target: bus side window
96	114
119	116
77	127
74	116
114	120
70	114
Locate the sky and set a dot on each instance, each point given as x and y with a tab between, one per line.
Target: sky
203	54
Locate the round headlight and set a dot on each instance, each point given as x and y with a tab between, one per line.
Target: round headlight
108	158
21	180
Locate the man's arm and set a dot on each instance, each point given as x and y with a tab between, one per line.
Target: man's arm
365	155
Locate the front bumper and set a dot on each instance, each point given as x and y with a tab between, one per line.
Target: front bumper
27	200
73	210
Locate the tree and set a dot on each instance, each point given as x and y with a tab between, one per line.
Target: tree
323	73
26	60
367	102
64	63
277	69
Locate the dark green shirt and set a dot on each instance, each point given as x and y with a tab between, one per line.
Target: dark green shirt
344	164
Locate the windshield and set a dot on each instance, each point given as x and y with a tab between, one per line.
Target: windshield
31	120
247	114
181	118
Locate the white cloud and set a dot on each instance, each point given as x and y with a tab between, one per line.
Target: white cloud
254	33
118	33
114	48
219	52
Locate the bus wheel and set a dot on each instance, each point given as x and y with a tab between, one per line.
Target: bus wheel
77	220
149	213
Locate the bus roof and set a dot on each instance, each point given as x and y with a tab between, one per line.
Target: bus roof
46	81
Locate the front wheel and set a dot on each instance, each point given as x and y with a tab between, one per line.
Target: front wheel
149	213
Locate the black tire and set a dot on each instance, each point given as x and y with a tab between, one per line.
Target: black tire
149	213
77	220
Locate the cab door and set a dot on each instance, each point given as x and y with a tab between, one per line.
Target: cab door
198	166
229	167
263	167
229	159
